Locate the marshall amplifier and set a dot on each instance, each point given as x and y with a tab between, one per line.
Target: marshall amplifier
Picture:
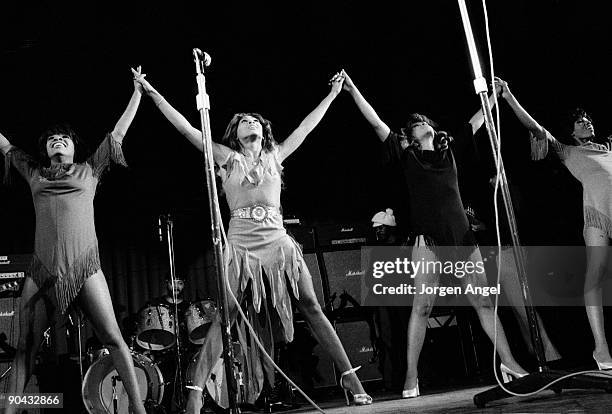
344	274
338	236
356	340
304	235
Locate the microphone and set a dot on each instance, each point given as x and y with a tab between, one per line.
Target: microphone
159	228
443	138
444	135
203	56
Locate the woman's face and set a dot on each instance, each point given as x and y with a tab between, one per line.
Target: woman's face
422	130
60	144
583	128
249	132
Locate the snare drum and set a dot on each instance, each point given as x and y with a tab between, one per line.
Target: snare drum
102	382
156	330
198	317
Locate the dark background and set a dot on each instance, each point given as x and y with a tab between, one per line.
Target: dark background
69	61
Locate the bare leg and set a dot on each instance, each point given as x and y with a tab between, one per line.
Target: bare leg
95	301
209	354
33	320
486	314
597	255
325	333
421	309
511	289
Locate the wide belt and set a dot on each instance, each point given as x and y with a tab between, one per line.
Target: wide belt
256	213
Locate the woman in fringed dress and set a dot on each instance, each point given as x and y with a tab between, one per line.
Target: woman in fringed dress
259	255
65	267
591	164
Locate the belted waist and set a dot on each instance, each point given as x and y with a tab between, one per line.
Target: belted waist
257	213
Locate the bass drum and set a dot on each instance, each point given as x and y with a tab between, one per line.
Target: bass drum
102	381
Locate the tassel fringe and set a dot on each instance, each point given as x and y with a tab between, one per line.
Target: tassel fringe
594	218
67	286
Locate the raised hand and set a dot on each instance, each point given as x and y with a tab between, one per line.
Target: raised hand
348	84
336	83
145	85
502	86
137	74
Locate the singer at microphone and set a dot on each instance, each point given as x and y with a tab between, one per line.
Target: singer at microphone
434	214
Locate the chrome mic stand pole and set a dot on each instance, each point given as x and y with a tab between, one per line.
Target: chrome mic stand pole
201	61
178	382
480	86
545	376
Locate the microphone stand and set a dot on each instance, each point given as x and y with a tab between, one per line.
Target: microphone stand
544	375
178	382
203	103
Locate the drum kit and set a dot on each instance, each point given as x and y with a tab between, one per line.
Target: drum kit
157	348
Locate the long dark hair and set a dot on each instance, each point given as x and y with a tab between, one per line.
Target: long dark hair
441	138
569	119
230	137
58	129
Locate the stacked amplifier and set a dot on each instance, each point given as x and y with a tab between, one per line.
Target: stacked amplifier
333	255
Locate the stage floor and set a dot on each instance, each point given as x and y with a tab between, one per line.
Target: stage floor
460	401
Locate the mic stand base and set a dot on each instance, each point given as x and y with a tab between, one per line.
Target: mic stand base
537	380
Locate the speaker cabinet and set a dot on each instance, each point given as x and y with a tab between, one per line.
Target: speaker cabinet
304	235
355	337
344	273
315	271
307	361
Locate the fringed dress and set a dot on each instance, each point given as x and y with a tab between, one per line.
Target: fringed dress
591	164
260	258
65	247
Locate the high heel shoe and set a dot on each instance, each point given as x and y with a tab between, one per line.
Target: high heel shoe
508	374
411	392
602	365
358	399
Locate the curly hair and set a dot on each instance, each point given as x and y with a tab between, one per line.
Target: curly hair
230	137
58	129
441	138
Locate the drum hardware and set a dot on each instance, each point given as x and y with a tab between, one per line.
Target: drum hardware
169	232
5	373
102	387
115	408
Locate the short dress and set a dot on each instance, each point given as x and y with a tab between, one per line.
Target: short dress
255	249
432	188
591	164
65	246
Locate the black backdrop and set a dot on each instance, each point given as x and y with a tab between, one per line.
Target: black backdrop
69	61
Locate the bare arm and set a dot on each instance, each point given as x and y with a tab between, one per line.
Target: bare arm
477	119
381	129
130	112
193	135
298	136
5	145
520	112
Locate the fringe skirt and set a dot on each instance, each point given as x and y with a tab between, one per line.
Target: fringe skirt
265	258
